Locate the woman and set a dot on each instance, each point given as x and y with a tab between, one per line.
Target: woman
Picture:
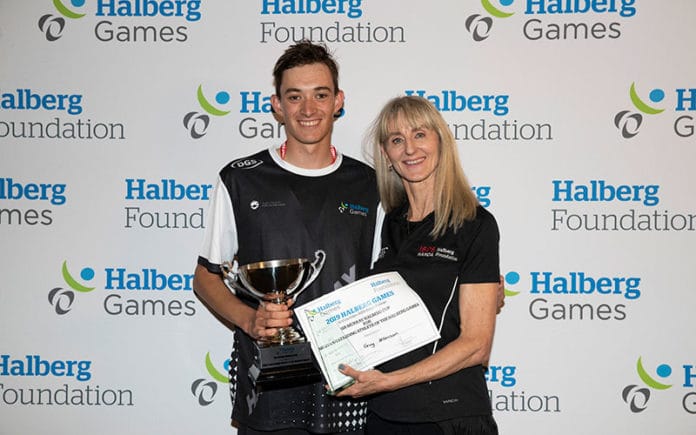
445	245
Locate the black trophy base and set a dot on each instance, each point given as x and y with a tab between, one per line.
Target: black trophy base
284	377
283	366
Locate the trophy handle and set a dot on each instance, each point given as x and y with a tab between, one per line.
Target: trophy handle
230	276
317	264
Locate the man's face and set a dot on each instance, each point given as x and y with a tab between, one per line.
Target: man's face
307	103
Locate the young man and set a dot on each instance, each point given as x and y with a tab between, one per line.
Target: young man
292	201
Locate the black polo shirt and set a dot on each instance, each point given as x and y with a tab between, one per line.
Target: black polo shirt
435	268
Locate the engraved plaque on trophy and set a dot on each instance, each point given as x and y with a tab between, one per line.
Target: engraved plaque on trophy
285	359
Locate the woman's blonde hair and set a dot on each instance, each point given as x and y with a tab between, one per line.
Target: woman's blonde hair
454	202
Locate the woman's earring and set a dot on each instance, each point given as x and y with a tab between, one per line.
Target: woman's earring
390	167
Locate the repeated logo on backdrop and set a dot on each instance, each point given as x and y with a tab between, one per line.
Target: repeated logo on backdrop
553	20
164	204
480	26
20	108
576	295
658	381
145	292
197	122
53	25
43	200
285	21
654	104
204	389
452	102
254	108
113	20
600	205
44	372
502	380
62	299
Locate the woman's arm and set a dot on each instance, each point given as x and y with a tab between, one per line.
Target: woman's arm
477	308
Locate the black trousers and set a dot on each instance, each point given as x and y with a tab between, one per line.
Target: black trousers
476	425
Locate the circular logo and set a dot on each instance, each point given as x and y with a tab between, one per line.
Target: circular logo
197	124
636	398
52	27
61	300
204	391
628	122
479	27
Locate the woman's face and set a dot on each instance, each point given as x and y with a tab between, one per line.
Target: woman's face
414	152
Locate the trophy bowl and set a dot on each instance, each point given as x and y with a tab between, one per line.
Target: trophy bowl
275	281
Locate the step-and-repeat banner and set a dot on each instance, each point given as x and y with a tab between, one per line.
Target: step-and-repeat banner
576	125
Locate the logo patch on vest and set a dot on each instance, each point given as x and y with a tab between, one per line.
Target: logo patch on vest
434	251
350	208
246	163
255	205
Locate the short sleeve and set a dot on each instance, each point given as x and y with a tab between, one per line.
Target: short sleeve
220	238
482	262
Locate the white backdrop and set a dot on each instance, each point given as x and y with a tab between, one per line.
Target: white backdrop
107	153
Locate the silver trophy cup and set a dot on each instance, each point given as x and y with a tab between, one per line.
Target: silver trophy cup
284	359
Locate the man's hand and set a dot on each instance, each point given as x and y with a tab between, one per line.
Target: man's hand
270	317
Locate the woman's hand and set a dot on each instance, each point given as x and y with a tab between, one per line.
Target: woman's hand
500	295
366	382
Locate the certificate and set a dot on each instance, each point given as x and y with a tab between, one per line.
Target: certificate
364	324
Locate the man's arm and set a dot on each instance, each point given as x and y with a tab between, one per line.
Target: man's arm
257	323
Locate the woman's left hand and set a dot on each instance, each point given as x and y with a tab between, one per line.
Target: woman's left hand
365	382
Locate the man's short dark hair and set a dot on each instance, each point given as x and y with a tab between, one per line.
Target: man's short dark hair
304	53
